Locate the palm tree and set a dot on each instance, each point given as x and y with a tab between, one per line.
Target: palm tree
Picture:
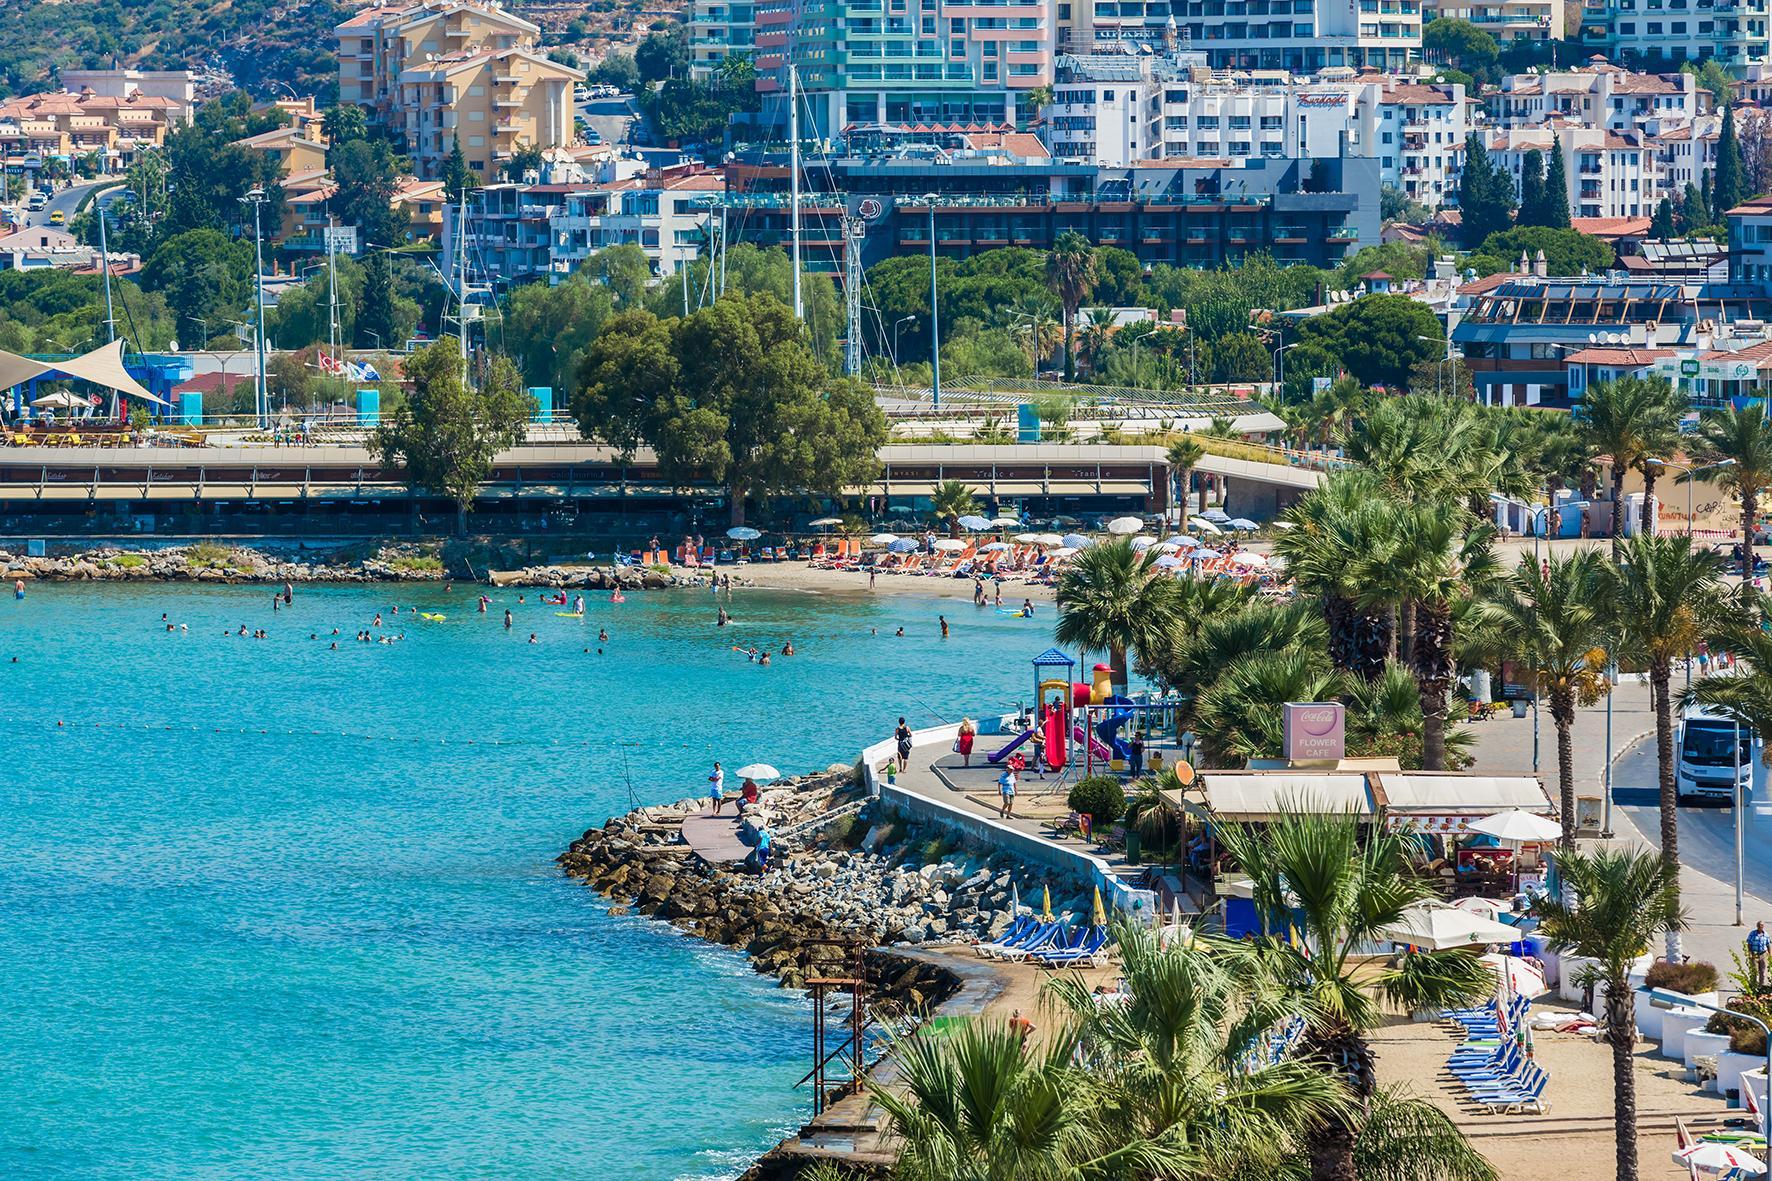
1552	618
1744	693
1113	599
1098	329
1340	885
1737	443
1663	597
1070	268
1184	455
978	1105
1030	319
1239	715
1182	1061
1333	528
1616	901
1630	420
1429	560
1207	645
953	499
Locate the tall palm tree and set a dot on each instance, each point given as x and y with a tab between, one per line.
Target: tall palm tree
1552	618
953	499
1616	902
1630	420
1202	650
1184	455
1238	715
1070	268
1098	329
1430	559
1030	320
978	1105
1738	443
1333	527
1113	599
1339	886
1180	1063
1663	597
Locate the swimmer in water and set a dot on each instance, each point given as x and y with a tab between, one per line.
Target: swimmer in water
532	638
899	632
763	659
787	649
578	604
944	625
1027	608
484	603
720	620
507	619
377	622
18	590
602	635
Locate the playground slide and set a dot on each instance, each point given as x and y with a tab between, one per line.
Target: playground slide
998	756
1096	748
1108	728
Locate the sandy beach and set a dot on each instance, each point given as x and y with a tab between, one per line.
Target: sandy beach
798	576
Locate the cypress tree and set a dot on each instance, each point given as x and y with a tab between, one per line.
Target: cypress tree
457	179
1731	175
1693	215
1662	227
1532	189
1556	190
1485	194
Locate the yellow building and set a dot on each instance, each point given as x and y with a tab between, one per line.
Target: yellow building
441	70
75	125
296	153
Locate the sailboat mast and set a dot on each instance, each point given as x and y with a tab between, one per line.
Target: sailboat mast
794	180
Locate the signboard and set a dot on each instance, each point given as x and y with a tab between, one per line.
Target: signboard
1314	730
1320	384
339	239
1688	368
1723	369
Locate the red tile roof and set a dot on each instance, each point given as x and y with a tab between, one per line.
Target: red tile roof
1611	227
1616	356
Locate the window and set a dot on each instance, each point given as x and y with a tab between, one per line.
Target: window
476	141
476	116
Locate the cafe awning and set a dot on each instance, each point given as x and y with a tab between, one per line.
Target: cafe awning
103	366
1262	795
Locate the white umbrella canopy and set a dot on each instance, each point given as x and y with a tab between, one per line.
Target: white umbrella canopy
883	538
1204	526
822	522
60	400
950	544
1516	825
1438	927
1205	555
975	523
1143	543
743	533
995	547
1125	526
1061	552
1715	1158
1076	541
1517	975
1489	908
1168	563
1028	538
1006	522
1048	539
757	772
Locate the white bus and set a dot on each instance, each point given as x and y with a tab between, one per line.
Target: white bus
1705	757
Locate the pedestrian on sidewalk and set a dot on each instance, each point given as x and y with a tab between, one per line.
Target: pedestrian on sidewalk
1757	945
1006	791
903	734
717	793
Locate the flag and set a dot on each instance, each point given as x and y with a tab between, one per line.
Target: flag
364	371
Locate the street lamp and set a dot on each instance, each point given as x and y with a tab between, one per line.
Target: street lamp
1279	369
934	314
1747	542
255	197
1452	388
896	325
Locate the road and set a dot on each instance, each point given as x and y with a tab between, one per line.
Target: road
610	117
66	201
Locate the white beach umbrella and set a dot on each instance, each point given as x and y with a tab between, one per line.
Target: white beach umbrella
757	772
1125	525
1185	541
1489	908
950	544
60	400
1061	552
1216	514
1284	525
743	533
1048	539
1076	541
1243	523
1204	526
1438	927
1006	522
1716	1158
975	523
1168	563
995	547
1164	547
1205	555
1517	826
824	522
1028	538
1517	975
1253	561
883	538
1143	543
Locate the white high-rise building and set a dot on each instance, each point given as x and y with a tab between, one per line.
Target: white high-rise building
1672	32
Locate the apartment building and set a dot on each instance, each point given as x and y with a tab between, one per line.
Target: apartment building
445	69
1734	32
1750	241
900	62
180	86
1505	20
1301	36
1609	173
1116	109
1599	95
717	30
296	152
73	125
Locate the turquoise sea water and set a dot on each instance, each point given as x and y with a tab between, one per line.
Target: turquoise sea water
270	909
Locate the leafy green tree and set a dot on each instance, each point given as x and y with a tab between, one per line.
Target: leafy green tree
548	328
207	174
734	394
617	69
748	270
1729	182
1532	189
1119	278
1071	268
458	178
1400	260
1241	356
1333	528
663	54
1736	443
1566	251
1340	883
387	318
623	269
1694	214
344	122
1661	227
205	277
1710	75
1113	599
447	433
1485	193
1556	189
1460	43
1632	420
367	174
303	315
1664	597
1617	901
1378	338
1396	205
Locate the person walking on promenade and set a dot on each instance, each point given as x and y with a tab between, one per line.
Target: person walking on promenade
1006	790
1757	945
903	734
963	743
718	792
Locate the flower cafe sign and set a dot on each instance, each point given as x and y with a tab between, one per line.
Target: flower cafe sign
1314	730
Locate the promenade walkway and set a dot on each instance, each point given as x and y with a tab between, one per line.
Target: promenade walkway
715	837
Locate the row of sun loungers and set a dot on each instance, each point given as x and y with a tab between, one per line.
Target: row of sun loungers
1050	944
1491	1065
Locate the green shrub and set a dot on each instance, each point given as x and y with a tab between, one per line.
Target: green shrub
1692	979
417	563
129	561
1744	1036
1100	797
934	850
207	553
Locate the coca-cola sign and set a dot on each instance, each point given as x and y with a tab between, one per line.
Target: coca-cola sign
1314	730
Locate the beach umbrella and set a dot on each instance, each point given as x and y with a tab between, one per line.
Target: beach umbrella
1489	908
1143	543
883	538
743	533
1205	555
825	522
757	772
1715	1158
903	545
975	523
1284	525
1075	541
1168	562
1243	523
1216	515
1061	552
1204	526
1438	927
1517	975
1006	522
950	544
1028	538
1048	539
60	400
1517	826
1099	915
1185	541
995	547
1046	903
1125	525
1014	899
1251	560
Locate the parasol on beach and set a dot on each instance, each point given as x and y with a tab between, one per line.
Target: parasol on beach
1028	538
1168	562
825	522
1006	522
1712	1157
1099	916
1125	526
743	533
1076	541
1204	525
975	523
1140	544
1046	903
1014	899
1048	539
995	547
759	772
903	545
883	538
950	544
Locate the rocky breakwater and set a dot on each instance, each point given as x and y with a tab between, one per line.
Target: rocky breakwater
843	870
596	578
207	562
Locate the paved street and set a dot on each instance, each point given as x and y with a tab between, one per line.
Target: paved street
66	202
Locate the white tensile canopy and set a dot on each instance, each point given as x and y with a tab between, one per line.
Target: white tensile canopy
103	366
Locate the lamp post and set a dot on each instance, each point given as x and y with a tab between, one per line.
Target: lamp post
1691	472
896	325
256	198
1606	802
934	314
1279	369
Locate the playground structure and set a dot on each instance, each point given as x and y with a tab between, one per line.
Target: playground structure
1090	719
